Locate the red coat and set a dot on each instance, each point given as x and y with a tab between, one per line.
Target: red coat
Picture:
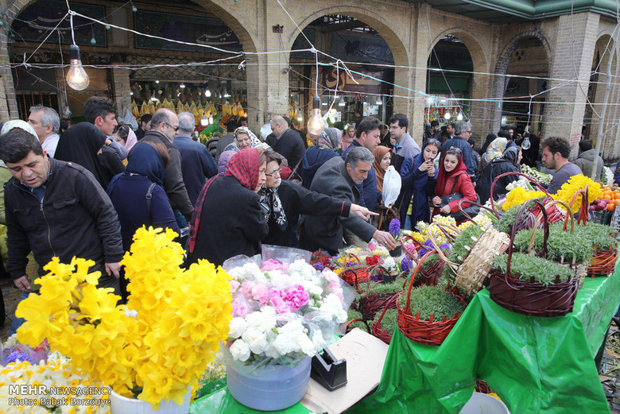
463	185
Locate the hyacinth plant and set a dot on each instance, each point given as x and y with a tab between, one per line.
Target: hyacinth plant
394	229
154	347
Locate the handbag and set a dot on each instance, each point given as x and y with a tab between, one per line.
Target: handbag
471	210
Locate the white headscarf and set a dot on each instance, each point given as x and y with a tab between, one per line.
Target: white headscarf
18	123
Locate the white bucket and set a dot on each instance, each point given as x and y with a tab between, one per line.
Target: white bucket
123	405
480	403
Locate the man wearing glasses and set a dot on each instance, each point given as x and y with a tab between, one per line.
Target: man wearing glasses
462	134
164	126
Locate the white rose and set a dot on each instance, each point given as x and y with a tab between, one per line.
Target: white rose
237	326
240	351
285	344
256	340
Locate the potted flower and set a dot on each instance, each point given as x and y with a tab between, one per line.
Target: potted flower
284	313
394	230
150	351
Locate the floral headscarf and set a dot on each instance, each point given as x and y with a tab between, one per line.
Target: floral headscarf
244	167
254	141
329	139
496	149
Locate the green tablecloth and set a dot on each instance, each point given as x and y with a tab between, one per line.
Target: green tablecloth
534	364
222	402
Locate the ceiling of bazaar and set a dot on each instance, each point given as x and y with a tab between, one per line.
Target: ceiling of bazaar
508	10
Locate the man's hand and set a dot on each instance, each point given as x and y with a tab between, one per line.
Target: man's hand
436	201
22	283
113	269
385	239
361	212
446	209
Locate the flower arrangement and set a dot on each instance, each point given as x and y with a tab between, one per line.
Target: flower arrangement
13	351
575	184
320	259
283	312
154	347
62	387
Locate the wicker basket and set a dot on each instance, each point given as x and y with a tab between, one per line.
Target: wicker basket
347	326
475	267
376	329
603	262
372	303
357	274
530	297
429	332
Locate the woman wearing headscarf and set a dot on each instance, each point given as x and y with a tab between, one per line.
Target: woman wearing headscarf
347	137
419	176
383	157
509	162
228	219
490	138
244	138
494	150
452	180
85	144
324	148
283	201
138	194
222	163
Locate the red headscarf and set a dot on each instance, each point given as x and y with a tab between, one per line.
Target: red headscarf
244	167
444	176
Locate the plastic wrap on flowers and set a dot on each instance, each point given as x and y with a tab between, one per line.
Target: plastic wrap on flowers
283	311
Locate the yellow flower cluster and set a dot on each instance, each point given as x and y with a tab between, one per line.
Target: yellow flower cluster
574	184
156	345
519	195
79	394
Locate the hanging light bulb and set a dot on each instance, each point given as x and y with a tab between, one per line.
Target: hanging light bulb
182	86
208	93
459	117
204	121
77	78
93	41
379	100
316	124
300	118
341	103
157	81
210	119
526	144
107	27
447	115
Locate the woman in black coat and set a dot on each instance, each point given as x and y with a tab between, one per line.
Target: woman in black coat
228	220
508	163
283	201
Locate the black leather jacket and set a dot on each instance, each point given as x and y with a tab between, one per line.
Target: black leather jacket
75	218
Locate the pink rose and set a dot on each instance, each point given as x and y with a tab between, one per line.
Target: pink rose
272	264
246	289
296	297
240	308
260	293
276	298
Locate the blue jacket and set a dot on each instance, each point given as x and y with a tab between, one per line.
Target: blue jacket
368	190
128	194
617	173
313	159
468	156
418	184
197	165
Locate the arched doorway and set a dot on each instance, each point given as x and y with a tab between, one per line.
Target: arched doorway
368	58
449	79
526	62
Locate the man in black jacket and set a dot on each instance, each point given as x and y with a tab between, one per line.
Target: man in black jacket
287	142
164	126
340	179
56	209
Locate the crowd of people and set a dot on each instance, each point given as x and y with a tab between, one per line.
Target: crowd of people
83	192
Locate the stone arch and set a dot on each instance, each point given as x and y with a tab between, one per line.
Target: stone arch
478	56
501	68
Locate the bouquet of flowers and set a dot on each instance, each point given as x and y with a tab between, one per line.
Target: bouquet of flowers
283	312
154	347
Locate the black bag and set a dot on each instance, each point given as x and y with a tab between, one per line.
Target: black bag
471	211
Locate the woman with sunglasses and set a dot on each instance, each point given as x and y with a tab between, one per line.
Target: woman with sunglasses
283	201
453	184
